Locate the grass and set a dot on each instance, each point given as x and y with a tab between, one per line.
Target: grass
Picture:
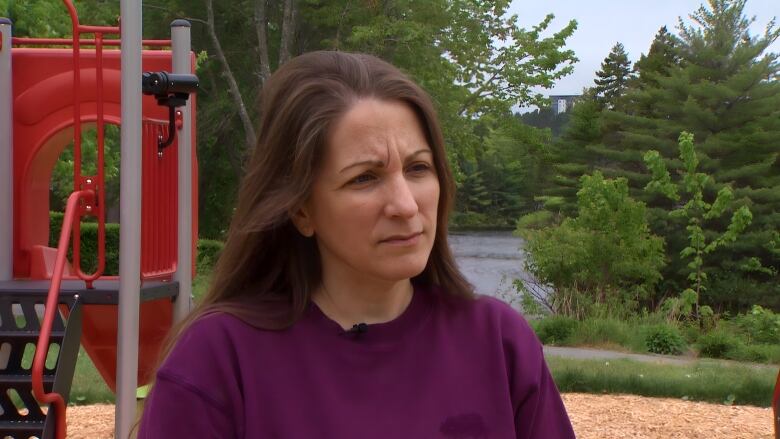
88	385
607	333
704	381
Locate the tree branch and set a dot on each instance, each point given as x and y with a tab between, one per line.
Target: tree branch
478	92
235	93
261	27
288	31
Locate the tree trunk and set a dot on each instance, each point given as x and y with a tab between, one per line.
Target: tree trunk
261	27
235	93
288	31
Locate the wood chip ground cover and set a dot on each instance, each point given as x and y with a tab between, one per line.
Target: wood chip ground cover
593	416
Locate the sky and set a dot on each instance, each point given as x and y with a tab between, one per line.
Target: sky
602	23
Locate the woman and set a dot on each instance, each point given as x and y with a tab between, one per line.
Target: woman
336	309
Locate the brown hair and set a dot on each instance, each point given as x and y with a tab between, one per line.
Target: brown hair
267	270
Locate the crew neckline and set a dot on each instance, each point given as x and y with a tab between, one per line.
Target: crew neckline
407	322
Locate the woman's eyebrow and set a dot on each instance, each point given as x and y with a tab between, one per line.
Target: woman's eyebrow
418	152
380	163
374	163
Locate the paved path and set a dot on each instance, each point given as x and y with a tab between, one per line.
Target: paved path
599	354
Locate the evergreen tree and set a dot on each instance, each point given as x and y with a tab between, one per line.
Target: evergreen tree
725	91
546	118
612	79
570	157
662	56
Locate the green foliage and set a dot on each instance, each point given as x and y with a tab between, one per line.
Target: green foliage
207	250
716	80
605	333
570	159
529	304
719	344
756	353
664	339
62	174
732	339
88	386
474	59
469	220
660	59
696	210
506	173
534	220
208	253
760	325
49	18
606	253
89	247
555	330
613	78
546	117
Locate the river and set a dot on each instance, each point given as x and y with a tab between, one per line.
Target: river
490	261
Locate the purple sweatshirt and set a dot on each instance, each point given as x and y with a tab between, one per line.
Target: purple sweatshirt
468	369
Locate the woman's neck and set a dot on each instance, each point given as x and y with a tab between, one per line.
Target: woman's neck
348	303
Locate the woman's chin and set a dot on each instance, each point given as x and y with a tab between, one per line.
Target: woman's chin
402	270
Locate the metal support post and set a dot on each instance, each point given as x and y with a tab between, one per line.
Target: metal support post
180	45
6	155
130	218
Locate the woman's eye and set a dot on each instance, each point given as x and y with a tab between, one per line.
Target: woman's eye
419	168
362	179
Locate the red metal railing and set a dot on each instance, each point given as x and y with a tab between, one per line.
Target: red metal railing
95	183
88	199
42	348
25	41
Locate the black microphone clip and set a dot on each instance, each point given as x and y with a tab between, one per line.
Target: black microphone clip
359	328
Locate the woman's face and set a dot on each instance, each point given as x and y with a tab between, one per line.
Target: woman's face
374	200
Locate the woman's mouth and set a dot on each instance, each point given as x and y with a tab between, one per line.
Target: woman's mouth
402	240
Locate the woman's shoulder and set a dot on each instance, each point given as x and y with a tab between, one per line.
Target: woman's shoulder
207	346
479	306
212	330
483	313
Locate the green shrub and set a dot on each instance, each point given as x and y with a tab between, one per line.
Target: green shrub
534	220
690	331
758	353
606	253
664	339
469	220
760	325
88	249
597	331
555	330
207	250
719	344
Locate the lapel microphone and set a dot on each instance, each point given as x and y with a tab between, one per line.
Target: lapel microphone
358	328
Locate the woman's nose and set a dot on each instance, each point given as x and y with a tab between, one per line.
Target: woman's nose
400	200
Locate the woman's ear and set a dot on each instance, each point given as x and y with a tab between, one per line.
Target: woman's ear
301	219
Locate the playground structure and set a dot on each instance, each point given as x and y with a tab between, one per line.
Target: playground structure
51	91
